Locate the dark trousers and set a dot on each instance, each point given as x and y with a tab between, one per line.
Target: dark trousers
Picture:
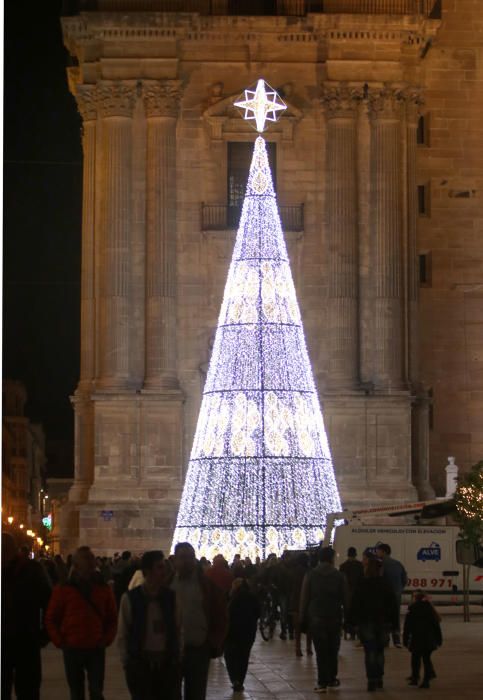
373	639
237	653
194	668
298	635
150	678
425	656
22	670
396	633
77	663
326	638
286	624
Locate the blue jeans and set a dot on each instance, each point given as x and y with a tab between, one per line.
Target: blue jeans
373	638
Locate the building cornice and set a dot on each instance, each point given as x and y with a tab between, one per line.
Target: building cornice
312	29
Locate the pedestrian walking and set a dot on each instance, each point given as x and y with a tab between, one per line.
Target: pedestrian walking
122	573
82	621
353	570
220	574
204	620
394	572
25	596
243	613
323	601
284	584
374	612
422	635
149	634
62	570
299	571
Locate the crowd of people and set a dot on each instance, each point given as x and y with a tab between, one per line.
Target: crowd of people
170	616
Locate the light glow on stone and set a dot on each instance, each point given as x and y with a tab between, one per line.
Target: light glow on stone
260	477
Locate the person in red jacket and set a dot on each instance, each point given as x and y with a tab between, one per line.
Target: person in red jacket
82	621
220	574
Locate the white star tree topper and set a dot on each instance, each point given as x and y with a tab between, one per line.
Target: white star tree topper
261	105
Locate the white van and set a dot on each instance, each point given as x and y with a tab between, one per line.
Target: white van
427	552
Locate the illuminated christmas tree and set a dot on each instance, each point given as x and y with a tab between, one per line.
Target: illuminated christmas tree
260	477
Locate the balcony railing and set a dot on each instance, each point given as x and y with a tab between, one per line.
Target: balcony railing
293	8
429	8
223	217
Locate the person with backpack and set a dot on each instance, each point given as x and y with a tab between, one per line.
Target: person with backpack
421	636
82	621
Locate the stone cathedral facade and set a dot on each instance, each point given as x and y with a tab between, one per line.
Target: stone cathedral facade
379	180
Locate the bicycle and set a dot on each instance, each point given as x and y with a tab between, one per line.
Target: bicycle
269	613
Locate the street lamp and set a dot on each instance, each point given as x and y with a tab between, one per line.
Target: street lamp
21	526
10	519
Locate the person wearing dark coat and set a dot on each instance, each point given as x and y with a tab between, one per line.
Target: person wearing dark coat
422	635
323	602
395	573
203	620
149	632
298	574
374	611
25	595
353	570
243	613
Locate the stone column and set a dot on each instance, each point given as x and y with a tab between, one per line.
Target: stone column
84	448
161	100
342	233
86	96
116	104
413	102
386	235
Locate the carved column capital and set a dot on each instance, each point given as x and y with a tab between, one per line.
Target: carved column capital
116	99
385	102
341	100
161	98
86	98
414	99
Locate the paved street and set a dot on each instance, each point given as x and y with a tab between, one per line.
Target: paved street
275	673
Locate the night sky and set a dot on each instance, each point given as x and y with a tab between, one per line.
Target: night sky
42	222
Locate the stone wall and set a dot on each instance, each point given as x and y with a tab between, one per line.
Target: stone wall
451	165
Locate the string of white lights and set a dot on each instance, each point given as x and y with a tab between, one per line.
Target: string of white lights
260	477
